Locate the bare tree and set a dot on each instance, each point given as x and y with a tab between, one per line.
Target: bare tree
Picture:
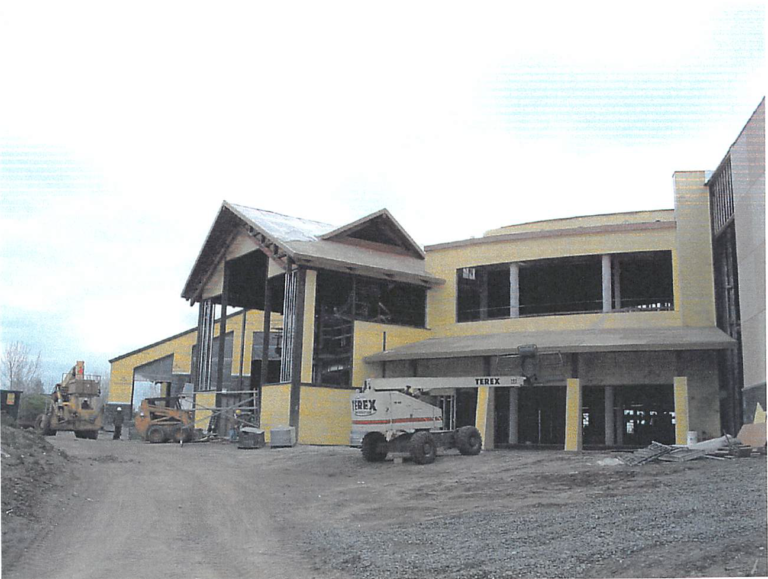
19	370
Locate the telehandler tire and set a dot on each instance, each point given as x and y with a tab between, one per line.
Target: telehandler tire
372	447
469	441
423	448
156	434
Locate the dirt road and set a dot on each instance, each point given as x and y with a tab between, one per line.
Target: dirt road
213	511
134	510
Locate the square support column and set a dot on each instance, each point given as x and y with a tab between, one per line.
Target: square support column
610	424
513	415
681	410
620	426
607	285
484	415
573	404
514	290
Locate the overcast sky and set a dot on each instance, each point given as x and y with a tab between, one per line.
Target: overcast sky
124	125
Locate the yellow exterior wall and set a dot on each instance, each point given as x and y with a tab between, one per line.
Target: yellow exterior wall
443	262
369	339
275	407
121	372
325	416
694	269
204	400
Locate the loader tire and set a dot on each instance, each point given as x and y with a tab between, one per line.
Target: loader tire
469	441
423	448
156	434
43	425
372	447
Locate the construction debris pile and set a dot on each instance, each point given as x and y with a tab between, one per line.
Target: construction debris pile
725	447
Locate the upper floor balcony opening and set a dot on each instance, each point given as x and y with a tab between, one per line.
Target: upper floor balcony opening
626	282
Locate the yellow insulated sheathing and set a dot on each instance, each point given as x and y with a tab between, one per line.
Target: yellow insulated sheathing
121	371
204	400
275	407
694	270
484	415
444	262
308	338
325	415
369	340
180	347
681	410
573	404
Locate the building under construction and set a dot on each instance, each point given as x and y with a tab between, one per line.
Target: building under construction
646	325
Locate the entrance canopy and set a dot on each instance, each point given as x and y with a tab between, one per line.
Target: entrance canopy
571	341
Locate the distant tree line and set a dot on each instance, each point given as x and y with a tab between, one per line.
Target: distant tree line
20	370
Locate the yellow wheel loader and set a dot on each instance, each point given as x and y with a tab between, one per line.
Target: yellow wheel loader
75	405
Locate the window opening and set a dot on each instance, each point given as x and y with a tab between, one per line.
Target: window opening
643	281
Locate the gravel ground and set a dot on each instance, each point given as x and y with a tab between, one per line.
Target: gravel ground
325	513
680	526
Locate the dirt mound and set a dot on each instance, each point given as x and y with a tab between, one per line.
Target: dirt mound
31	467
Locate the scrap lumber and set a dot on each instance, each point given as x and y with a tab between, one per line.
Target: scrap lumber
682	454
647	454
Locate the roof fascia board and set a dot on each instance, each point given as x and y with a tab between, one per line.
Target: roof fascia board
382	273
616	228
212	268
187	291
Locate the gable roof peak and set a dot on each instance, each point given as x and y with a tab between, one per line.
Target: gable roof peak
362	228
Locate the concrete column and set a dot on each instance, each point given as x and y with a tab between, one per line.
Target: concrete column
513	415
616	284
619	399
607	286
681	410
610	424
514	290
573	404
482	278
